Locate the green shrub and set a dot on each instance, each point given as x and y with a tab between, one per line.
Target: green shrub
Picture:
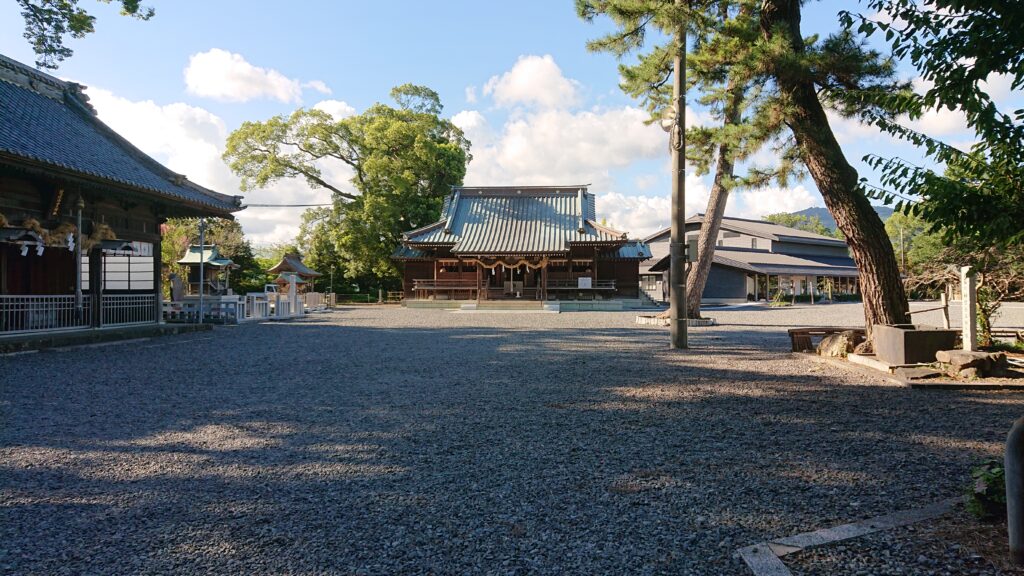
986	496
779	300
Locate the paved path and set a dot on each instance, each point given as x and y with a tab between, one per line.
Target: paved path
384	440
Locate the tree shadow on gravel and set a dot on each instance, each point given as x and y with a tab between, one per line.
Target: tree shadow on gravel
319	447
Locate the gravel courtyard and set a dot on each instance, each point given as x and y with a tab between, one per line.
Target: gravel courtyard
381	440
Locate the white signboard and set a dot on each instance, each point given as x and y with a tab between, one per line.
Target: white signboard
584	282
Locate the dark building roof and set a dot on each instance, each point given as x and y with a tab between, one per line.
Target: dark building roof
758	228
48	124
293	263
764	262
515	220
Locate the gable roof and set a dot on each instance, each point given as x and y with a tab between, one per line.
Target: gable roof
757	228
208	255
48	124
764	262
293	263
516	220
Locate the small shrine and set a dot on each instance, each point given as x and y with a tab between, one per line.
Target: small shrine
291	265
216	270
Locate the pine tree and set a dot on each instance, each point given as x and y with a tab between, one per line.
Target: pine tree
761	79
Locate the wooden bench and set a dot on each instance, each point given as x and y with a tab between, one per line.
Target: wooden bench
800	338
1015	333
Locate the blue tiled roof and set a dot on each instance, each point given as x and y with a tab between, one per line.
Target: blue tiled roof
407	253
47	121
516	220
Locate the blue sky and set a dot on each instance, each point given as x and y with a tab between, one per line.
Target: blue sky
538	107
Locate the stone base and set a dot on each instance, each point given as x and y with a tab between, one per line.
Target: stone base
42	340
972	364
656	321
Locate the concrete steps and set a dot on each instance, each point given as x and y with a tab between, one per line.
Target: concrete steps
510	305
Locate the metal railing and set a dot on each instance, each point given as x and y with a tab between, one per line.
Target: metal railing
574	285
43	313
120	309
428	284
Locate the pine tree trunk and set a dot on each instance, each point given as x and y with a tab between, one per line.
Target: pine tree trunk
881	287
708	236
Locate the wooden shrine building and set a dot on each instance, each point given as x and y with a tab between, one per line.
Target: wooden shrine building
291	265
519	242
216	273
80	211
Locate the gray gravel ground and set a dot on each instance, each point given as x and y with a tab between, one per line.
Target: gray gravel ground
393	441
949	546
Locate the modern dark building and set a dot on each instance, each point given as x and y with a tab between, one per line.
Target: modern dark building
755	259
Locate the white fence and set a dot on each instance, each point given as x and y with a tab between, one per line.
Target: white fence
256	307
120	309
32	313
43	313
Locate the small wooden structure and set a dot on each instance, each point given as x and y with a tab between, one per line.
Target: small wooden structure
291	265
216	270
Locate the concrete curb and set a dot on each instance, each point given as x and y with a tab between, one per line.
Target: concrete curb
764	559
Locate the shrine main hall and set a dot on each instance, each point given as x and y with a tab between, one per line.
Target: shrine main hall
536	243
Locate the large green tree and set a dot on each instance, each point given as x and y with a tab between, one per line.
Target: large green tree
404	159
48	23
789	81
800	222
958	47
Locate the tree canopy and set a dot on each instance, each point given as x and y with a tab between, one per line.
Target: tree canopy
404	159
957	47
802	222
48	23
789	80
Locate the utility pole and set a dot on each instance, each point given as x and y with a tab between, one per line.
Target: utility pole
677	246
202	259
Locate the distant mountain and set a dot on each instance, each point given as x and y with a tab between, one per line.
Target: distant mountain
830	222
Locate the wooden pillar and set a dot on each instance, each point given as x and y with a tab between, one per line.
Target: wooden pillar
544	281
478	268
158	281
96	284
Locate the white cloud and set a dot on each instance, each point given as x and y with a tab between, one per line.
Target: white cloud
533	81
645	181
559	146
476	128
228	77
645	214
770	200
190	140
319	86
471	94
336	108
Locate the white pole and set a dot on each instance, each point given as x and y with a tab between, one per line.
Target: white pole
969	308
